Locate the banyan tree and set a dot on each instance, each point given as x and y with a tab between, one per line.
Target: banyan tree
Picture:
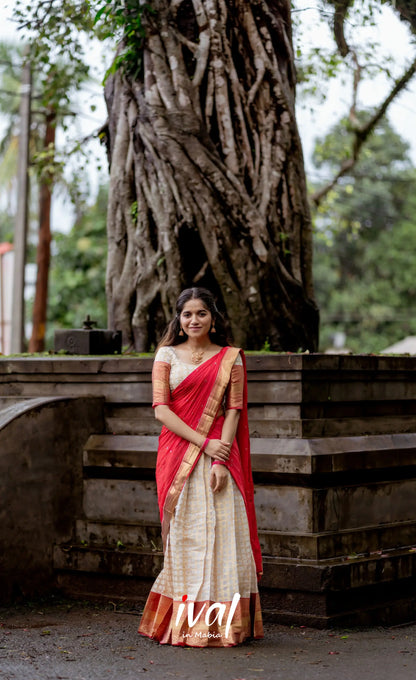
207	183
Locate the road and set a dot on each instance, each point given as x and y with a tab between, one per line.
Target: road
62	640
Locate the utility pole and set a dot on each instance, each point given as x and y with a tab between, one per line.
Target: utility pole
21	225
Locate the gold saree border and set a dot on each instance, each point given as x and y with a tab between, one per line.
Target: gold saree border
160	614
160	383
193	452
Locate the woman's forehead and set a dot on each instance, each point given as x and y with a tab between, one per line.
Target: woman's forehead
194	306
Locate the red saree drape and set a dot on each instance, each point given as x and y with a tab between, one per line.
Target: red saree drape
198	401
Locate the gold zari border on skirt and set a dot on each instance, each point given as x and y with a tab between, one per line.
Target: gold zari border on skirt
159	623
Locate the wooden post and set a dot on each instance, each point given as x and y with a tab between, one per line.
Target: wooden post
37	340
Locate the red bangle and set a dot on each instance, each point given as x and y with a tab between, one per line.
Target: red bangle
205	444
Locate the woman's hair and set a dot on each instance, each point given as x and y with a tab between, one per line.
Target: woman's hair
171	335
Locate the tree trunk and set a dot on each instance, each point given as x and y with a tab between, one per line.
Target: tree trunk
37	340
207	180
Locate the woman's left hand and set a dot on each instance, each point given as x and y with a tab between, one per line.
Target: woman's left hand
219	477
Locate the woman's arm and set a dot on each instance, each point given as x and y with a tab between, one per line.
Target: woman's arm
229	428
216	448
219	474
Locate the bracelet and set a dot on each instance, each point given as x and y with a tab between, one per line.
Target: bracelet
218	462
205	444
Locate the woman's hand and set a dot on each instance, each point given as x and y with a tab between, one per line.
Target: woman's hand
219	477
218	449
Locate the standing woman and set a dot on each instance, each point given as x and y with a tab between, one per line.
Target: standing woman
204	484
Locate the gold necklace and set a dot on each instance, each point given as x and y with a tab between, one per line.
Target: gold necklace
197	356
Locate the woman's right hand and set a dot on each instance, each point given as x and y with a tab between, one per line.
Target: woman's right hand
218	449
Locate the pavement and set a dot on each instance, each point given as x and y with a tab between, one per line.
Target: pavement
66	640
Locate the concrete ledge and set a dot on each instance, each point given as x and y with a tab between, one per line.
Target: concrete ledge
21	407
311	395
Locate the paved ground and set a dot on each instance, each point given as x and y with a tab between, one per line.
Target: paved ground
81	641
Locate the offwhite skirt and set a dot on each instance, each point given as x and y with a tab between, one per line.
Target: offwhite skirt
208	561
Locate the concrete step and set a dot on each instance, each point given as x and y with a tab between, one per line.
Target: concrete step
143	536
294	509
313	427
277	455
130	562
101	588
324	593
131	451
120	500
135	426
348	544
133	419
256	411
340	575
342	427
273	455
351	544
265	421
278	606
332	426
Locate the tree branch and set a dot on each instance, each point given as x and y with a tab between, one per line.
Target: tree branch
341	10
407	11
362	133
356	82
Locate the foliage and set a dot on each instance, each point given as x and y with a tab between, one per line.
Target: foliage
60	27
53	31
57	34
6	226
10	75
317	63
77	281
123	19
364	244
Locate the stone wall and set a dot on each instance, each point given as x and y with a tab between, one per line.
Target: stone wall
334	462
41	442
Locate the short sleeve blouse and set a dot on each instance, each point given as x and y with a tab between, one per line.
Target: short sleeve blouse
169	371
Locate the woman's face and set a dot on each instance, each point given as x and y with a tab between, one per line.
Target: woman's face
195	319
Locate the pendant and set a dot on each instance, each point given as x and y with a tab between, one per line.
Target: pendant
197	357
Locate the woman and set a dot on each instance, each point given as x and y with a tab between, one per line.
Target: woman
206	594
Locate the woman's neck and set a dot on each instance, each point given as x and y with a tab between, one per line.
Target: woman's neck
198	344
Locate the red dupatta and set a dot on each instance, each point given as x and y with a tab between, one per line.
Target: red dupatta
197	401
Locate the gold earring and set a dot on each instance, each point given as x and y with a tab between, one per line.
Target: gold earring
213	330
181	333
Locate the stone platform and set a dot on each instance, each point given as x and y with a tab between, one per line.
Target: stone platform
334	463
